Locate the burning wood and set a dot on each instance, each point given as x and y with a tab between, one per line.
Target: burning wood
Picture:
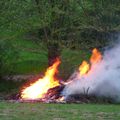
39	89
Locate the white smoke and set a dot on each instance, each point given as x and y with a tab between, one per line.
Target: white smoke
102	80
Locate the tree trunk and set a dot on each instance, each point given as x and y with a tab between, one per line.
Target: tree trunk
49	38
53	52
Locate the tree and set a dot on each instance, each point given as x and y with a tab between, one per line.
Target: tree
69	23
54	14
99	19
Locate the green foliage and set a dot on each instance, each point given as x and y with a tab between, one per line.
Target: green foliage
74	24
8	55
71	59
61	21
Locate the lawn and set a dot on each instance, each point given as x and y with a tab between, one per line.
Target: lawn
32	57
39	111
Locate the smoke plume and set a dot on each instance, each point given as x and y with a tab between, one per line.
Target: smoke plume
103	79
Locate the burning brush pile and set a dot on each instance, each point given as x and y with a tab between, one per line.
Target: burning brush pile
98	78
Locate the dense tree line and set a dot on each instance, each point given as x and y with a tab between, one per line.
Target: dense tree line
62	23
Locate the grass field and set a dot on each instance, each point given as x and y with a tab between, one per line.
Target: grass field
39	111
33	55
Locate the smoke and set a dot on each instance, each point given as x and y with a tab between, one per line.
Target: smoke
102	80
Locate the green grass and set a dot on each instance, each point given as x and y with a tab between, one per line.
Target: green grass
39	111
35	63
71	59
30	63
33	56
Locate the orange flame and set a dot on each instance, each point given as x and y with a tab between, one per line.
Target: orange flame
96	56
41	86
84	68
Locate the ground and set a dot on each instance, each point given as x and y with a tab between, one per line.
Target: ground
39	111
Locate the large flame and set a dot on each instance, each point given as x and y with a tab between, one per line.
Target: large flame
85	66
38	89
96	56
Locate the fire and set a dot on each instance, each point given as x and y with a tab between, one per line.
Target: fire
60	99
38	89
84	68
95	58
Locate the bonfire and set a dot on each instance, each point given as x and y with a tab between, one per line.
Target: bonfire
49	87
